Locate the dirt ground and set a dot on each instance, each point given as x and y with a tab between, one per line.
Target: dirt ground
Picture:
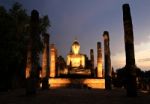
73	96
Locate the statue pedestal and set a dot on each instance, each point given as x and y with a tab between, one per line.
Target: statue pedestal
94	83
80	72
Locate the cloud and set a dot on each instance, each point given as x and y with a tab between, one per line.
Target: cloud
144	59
118	60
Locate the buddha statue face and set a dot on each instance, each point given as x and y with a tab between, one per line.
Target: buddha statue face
75	47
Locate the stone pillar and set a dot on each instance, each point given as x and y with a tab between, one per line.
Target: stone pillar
45	57
29	63
92	62
99	60
129	50
31	51
107	60
45	61
32	54
53	57
128	36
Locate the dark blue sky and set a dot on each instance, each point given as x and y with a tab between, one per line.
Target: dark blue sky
87	19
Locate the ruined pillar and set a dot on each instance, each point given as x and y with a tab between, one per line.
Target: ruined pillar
32	54
107	60
29	63
92	62
45	61
45	56
99	60
53	57
129	50
31	50
128	36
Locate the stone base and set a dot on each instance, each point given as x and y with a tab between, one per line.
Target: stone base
94	83
80	72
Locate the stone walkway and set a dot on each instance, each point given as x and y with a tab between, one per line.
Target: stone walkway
73	96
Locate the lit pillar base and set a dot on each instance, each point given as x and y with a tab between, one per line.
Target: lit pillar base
94	83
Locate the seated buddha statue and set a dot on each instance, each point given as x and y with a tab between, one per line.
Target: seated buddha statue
75	60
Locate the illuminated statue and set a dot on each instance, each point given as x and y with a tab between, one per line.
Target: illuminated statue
75	60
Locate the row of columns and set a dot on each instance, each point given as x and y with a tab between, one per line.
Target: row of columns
53	57
49	57
107	59
130	67
129	50
49	61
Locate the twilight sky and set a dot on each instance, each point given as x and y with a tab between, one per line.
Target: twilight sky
86	20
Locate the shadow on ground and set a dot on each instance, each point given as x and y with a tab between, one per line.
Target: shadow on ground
73	96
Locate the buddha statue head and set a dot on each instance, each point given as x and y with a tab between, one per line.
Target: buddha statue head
75	47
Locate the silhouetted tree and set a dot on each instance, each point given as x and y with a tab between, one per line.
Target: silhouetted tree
13	47
14	33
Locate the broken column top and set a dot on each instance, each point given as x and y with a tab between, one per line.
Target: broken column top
91	50
35	15
99	44
106	35
126	11
105	32
126	6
